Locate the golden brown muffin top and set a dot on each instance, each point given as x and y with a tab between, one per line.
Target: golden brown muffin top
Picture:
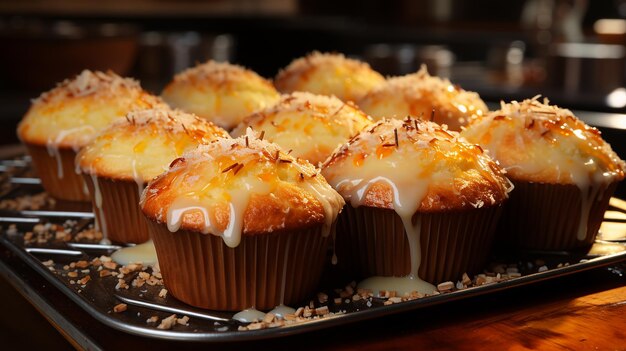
240	186
142	145
222	93
328	74
539	142
421	95
415	166
69	115
310	125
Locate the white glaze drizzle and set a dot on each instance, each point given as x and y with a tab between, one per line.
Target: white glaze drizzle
330	202
386	150
53	151
284	275
238	198
249	315
141	184
85	188
101	223
53	145
144	253
571	154
177	210
281	311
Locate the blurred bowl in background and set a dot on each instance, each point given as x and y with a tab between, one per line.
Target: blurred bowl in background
164	54
39	54
586	67
400	59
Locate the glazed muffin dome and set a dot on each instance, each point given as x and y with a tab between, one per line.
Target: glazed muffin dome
310	125
243	186
220	92
328	74
142	145
71	114
538	142
415	166
423	96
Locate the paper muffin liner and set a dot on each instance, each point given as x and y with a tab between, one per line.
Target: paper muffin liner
119	218
64	185
373	242
200	270
546	217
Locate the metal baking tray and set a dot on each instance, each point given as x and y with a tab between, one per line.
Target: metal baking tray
99	296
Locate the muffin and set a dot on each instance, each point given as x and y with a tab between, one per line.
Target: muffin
123	158
423	96
564	174
66	118
422	204
240	223
220	92
328	74
310	125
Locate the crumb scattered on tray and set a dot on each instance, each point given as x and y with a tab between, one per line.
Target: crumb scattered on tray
28	202
120	307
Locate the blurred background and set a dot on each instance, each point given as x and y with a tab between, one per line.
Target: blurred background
571	51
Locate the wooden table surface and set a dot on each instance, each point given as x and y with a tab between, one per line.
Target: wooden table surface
584	311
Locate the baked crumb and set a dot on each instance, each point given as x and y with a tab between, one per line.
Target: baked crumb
445	286
28	202
121	307
84	280
168	322
184	320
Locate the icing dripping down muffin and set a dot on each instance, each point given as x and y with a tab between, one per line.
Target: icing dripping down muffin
66	118
242	186
562	168
240	223
411	184
412	165
124	157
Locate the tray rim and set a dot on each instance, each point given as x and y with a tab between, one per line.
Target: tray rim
309	326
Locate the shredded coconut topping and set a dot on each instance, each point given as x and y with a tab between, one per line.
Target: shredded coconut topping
417	84
175	121
556	129
394	132
218	73
88	83
411	154
299	101
250	144
317	58
323	106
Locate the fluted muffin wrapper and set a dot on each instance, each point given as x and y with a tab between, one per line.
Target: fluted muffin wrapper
373	242
70	186
200	270
546	217
119	218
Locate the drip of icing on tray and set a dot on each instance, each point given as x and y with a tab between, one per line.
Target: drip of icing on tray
101	223
141	253
249	315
